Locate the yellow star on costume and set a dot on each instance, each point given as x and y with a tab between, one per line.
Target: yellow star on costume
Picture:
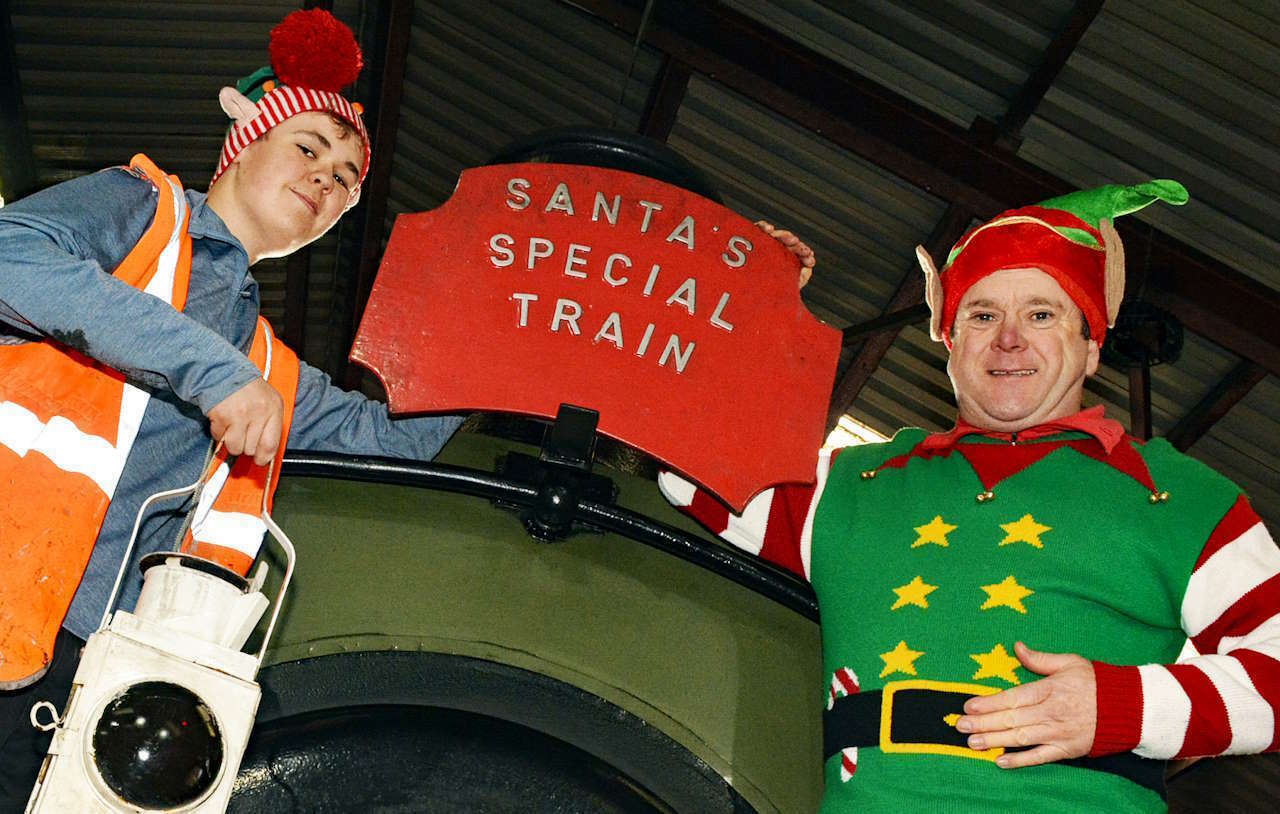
935	531
913	593
998	664
1006	594
901	659
1024	530
950	720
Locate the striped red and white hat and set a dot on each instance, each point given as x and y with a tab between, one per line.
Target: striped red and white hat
313	56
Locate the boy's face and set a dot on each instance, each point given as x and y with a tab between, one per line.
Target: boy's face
292	184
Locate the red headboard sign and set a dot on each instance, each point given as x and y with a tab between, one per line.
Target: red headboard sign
678	320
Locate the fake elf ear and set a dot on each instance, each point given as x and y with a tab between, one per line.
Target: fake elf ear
932	292
1072	238
237	106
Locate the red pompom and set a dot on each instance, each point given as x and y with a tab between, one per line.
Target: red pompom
313	49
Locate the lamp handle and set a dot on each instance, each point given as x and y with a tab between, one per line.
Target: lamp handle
290	560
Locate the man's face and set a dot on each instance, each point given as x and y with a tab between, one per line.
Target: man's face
1018	358
292	184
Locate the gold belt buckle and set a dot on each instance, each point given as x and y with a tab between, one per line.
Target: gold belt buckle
887	743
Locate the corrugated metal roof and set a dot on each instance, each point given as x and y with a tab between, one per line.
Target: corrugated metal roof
961	59
1155	89
482	74
789	176
1182	89
104	80
910	387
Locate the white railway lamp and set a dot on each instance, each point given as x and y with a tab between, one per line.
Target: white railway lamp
164	699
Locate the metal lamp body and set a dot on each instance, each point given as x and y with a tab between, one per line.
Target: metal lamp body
158	643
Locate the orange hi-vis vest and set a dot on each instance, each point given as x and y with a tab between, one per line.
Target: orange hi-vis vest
67	424
227	525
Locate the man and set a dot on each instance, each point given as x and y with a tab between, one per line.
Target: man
938	558
81	448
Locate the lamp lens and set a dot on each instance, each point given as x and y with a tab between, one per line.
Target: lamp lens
158	745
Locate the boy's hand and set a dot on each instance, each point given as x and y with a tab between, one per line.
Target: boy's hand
248	422
795	245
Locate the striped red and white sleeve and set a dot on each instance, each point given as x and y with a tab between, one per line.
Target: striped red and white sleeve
776	525
1226	701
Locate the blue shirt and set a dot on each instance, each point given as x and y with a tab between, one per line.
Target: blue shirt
57	248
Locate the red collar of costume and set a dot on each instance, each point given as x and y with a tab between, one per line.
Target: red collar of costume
1106	431
993	463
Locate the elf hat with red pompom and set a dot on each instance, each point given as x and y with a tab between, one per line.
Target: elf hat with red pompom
313	56
1071	238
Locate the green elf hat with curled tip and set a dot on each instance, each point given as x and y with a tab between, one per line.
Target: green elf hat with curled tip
1071	238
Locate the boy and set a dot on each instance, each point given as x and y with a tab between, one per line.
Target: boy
81	447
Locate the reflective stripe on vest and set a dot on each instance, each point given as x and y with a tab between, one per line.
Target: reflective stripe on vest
76	449
67	424
227	525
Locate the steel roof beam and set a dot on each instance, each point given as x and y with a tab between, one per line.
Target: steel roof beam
1140	401
889	320
297	270
1051	64
906	300
1217	403
393	29
934	154
665	98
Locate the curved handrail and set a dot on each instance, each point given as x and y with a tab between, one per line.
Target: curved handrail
758	575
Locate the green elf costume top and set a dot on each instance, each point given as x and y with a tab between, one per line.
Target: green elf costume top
932	554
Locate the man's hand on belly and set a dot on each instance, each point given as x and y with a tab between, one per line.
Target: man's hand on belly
1055	715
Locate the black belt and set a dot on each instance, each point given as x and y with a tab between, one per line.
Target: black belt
912	716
